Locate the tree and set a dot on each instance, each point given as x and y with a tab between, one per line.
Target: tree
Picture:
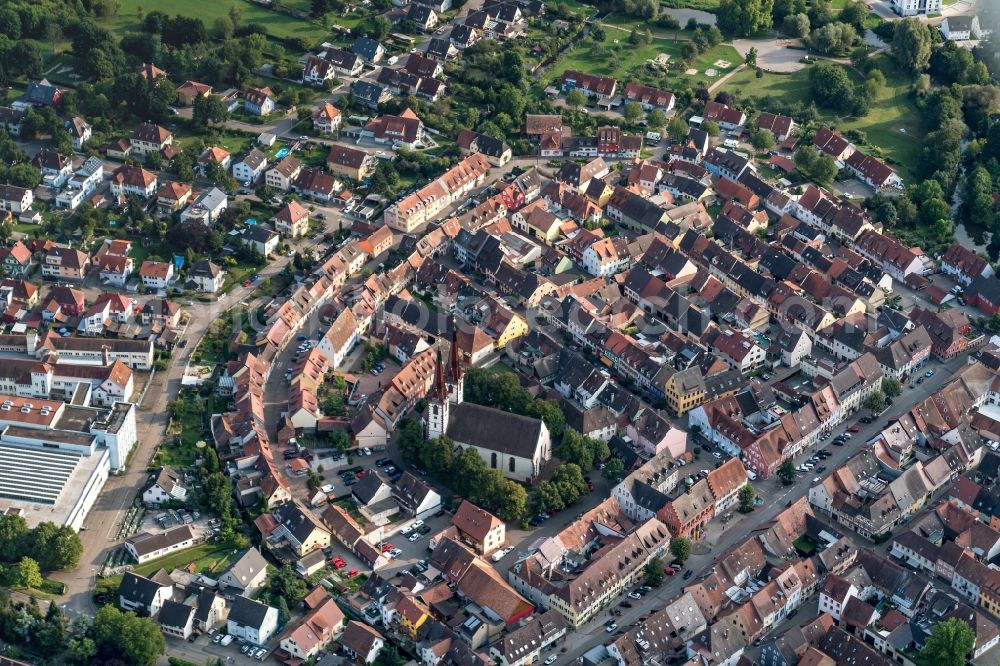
830	86
949	644
389	656
875	401
711	128
833	38
51	634
891	387
750	59
410	440
786	472
437	456
547	497
576	98
613	469
123	636
761	139
785	8
512	502
911	45
28	574
568	479
680	548
677	129
285	584
54	547
746	496
874	83
796	25
656	119
283	613
743	18
13	535
654	572
632	112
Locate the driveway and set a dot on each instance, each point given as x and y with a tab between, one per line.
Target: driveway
774	55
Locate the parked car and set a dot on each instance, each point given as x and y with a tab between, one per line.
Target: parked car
553	657
611	627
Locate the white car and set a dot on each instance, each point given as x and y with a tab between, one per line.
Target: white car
395	552
327	489
551	659
416	524
414	536
716	454
367	451
634	595
502	553
611	627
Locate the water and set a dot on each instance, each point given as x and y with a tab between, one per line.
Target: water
281	153
682	15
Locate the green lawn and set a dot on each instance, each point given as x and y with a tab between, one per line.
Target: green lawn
278	25
890	113
620	58
707	61
207	558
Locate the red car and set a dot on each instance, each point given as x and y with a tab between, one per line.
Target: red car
338	562
670	571
246	283
853	429
352	573
360	474
590	486
386	547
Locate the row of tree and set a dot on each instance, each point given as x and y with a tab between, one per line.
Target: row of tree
52	546
110	637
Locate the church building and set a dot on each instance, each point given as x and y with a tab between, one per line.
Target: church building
516	445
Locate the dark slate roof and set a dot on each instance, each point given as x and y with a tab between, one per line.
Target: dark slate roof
366	489
175	614
366	48
248	612
494	429
138	589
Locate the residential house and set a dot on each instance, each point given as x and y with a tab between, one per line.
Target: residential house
961	28
65	263
133	181
263	241
251	621
281	176
259	101
15	199
148	546
207	208
156	274
150	138
350	162
327	118
246	575
143	595
207	277
292	220
478	528
250	167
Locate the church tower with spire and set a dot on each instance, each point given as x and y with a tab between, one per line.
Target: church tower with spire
436	416
456	383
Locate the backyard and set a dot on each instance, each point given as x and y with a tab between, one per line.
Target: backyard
619	59
892	125
207	558
278	25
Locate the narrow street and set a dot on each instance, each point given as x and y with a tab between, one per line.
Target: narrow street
777	498
151	423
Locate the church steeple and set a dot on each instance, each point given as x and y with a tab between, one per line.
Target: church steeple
436	418
456	382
